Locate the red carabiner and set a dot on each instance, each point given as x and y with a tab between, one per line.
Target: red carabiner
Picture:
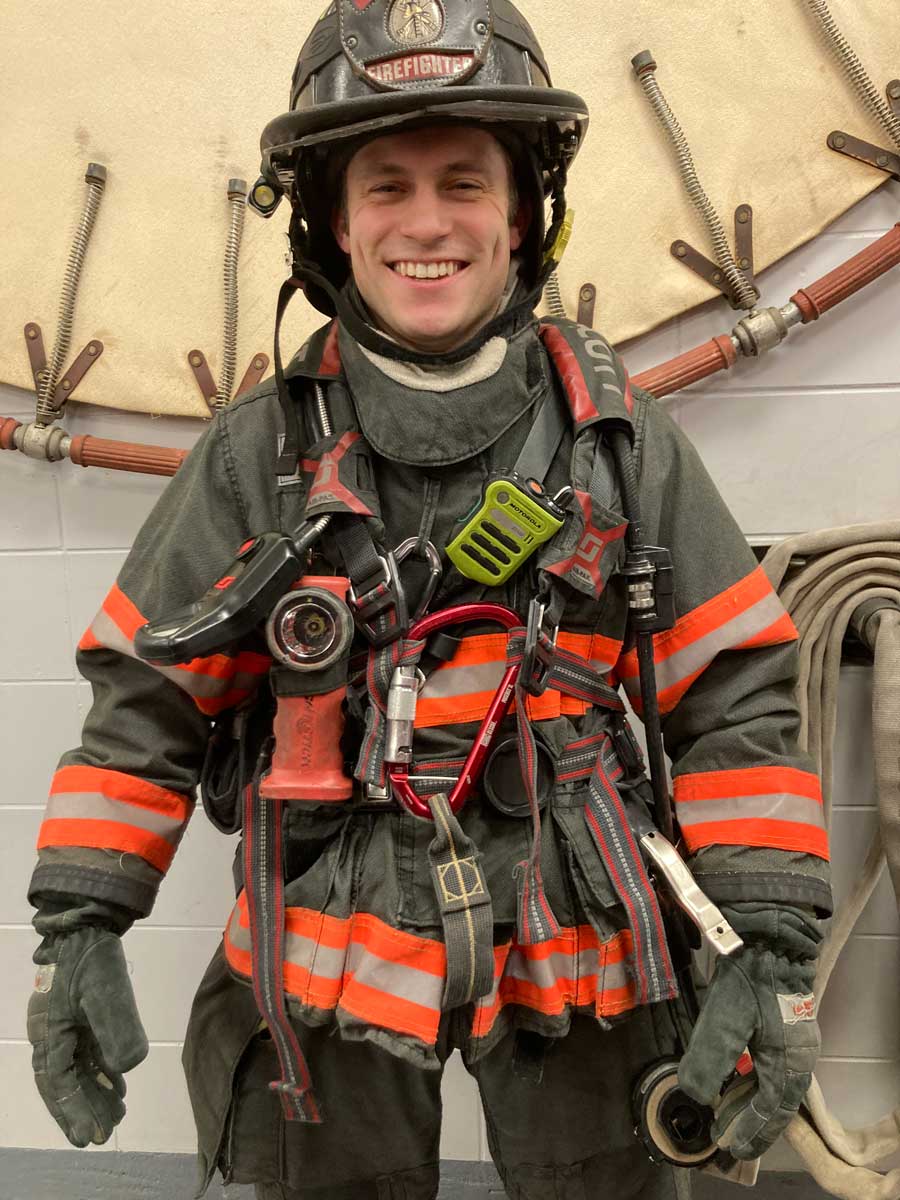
398	773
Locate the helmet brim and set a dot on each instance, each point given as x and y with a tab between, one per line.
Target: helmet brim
340	119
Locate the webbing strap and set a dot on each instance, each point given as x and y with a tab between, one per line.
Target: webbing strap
264	881
467	914
536	920
572	675
542	443
845	571
608	824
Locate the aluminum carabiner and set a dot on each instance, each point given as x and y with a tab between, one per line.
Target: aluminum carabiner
435	571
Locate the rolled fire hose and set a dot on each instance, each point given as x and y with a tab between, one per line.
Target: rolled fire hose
849	579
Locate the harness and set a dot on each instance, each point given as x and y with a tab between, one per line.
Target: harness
341	510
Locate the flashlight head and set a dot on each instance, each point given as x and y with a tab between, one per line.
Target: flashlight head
264	197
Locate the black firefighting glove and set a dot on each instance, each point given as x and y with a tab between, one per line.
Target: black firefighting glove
83	1023
761	998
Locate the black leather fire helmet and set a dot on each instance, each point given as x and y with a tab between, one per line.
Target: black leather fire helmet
371	67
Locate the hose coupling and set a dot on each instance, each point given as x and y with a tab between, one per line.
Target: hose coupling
47	442
761	330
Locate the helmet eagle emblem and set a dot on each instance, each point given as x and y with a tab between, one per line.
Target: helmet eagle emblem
415	22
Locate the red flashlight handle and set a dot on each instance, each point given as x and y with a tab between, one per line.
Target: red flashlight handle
308	763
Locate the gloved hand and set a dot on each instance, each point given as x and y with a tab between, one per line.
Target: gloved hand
85	1031
762	998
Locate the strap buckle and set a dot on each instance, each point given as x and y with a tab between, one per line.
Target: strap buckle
628	748
375	596
540	649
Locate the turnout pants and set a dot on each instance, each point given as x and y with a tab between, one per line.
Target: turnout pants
557	1112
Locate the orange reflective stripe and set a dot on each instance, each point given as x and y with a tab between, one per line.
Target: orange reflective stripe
370	973
358	965
375	1007
747	781
574	964
116	785
214	683
89	642
780	835
774	806
365	930
221	666
107	835
747	614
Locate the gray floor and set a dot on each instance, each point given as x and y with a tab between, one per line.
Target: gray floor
70	1175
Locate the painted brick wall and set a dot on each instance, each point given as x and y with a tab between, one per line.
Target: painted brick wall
806	439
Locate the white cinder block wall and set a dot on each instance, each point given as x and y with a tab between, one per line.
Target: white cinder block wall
807	438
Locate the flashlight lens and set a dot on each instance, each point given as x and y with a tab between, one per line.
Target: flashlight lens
308	631
263	196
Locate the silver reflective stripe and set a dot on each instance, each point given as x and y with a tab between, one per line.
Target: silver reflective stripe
107	632
332	963
546	972
699	654
777	806
462	681
395	979
93	806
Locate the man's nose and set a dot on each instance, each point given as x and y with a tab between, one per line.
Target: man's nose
426	217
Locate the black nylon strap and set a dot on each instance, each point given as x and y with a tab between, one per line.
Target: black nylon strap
290	450
542	443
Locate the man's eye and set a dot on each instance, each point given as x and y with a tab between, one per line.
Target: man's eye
386	187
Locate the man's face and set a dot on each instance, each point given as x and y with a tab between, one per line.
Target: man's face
427	227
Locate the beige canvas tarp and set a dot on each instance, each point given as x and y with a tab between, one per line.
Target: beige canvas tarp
171	98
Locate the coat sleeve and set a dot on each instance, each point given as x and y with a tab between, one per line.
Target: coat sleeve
747	799
120	802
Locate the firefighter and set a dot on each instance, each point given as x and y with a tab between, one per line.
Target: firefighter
424	159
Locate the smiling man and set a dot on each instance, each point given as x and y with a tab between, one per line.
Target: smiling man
442	850
430	222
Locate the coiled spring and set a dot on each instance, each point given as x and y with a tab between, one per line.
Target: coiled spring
855	71
744	291
237	198
46	412
554	296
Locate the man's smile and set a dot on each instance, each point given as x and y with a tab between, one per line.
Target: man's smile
417	269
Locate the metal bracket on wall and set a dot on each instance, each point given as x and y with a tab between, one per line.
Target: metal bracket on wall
710	271
37	356
206	383
867	152
587	299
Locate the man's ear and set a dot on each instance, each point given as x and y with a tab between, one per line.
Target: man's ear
339	227
519	225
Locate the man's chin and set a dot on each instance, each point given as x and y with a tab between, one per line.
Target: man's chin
436	337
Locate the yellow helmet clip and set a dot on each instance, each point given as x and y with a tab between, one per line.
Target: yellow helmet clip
558	249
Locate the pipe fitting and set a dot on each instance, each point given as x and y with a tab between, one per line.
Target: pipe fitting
761	330
46	442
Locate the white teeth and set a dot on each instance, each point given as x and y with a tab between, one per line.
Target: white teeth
432	270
